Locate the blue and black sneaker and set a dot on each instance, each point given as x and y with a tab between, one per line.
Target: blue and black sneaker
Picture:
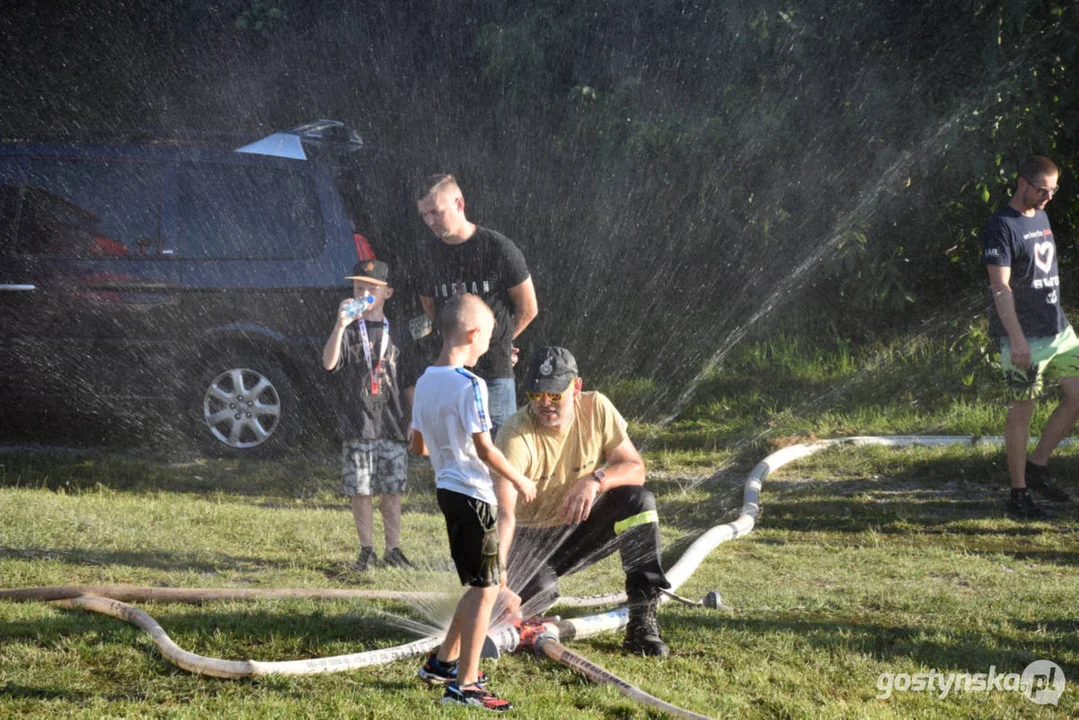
475	695
436	672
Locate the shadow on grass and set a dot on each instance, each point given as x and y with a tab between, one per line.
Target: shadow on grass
74	472
238	633
919	498
335	571
310	479
14	691
970	651
920	502
176	562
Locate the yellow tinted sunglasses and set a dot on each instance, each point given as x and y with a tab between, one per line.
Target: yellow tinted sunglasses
552	397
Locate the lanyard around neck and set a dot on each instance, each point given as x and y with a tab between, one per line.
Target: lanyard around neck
385	342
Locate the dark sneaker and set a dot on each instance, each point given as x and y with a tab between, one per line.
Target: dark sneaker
436	672
1039	480
367	560
476	696
642	630
396	558
1021	506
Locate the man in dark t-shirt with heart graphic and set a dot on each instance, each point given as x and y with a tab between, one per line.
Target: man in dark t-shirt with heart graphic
1037	344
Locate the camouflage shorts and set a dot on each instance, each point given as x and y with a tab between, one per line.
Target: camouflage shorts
373	467
1051	358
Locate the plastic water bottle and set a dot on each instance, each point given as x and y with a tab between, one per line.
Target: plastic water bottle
358	306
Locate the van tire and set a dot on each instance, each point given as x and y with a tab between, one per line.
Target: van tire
244	405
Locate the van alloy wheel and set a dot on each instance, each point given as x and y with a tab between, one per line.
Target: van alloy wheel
241	408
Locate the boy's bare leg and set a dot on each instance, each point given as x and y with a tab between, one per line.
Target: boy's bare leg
450	649
390	506
363	515
475	613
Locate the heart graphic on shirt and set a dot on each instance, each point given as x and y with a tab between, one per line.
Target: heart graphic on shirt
1043	255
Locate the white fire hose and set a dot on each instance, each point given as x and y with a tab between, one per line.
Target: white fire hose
543	637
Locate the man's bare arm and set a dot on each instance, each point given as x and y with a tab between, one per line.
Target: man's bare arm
624	467
1000	286
507	516
428	304
525	305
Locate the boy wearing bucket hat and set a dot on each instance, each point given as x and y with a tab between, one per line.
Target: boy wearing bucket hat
365	356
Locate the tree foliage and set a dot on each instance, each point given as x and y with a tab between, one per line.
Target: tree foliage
677	172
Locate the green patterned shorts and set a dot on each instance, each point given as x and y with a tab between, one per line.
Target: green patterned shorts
1051	358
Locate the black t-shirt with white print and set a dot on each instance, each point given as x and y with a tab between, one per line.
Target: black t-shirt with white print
488	264
1025	244
361	413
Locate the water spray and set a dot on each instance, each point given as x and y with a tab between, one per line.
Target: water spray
541	636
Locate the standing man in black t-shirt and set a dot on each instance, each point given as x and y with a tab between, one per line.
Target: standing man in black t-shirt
1037	344
466	258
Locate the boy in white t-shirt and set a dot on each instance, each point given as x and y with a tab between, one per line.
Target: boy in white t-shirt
450	422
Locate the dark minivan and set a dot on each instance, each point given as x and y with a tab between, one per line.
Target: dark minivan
187	285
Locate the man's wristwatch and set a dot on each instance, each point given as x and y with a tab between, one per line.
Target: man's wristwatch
598	476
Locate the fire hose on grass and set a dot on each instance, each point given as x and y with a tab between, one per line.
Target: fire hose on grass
547	645
542	636
216	667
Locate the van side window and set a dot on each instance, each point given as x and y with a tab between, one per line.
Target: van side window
247	212
98	209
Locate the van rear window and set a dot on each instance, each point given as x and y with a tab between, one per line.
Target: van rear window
247	212
99	209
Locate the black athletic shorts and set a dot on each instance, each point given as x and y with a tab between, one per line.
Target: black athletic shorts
473	531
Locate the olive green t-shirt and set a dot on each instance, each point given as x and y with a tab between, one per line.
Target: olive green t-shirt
554	460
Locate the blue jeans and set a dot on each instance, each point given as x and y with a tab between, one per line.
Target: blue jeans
501	401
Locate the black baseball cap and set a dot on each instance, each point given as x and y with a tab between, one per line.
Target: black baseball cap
551	370
372	271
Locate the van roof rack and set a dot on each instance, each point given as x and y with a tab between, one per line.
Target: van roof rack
329	134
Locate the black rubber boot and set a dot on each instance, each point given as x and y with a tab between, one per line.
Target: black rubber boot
642	631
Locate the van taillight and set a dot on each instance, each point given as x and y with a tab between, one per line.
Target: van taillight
363	248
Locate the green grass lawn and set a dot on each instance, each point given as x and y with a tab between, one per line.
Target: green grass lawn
867	565
865	561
